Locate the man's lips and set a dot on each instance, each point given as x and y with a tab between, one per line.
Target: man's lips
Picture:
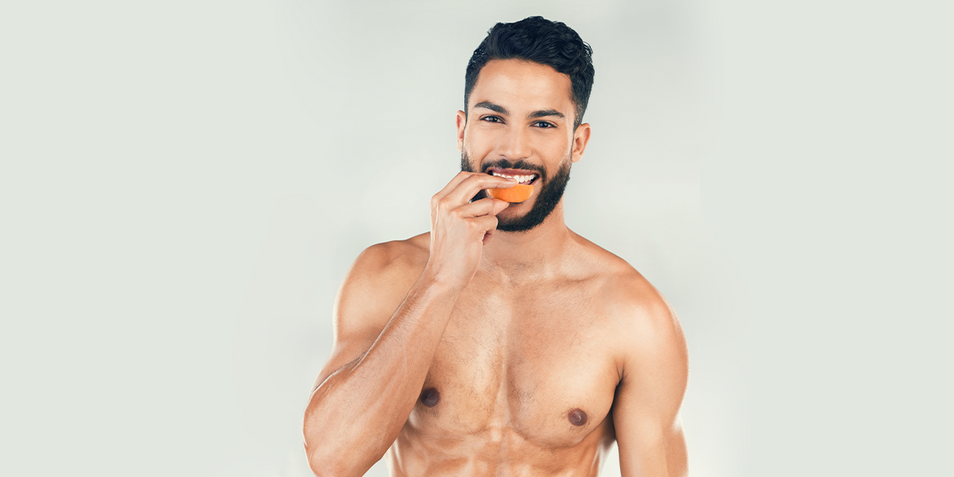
522	176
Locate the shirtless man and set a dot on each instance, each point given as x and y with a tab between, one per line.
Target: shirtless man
503	343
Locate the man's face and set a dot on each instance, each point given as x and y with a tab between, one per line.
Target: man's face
520	123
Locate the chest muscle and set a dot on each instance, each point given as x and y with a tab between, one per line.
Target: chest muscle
536	368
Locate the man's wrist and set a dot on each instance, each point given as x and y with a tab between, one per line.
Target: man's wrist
441	284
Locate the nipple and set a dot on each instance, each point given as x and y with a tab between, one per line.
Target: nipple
577	417
430	397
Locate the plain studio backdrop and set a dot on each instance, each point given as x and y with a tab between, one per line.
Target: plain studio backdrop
184	184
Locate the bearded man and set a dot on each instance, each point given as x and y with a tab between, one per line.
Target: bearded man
501	342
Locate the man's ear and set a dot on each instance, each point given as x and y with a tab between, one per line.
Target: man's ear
461	124
580	137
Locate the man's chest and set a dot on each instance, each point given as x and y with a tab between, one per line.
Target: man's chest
535	366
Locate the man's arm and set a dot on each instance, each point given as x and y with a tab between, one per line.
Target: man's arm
384	346
646	406
370	383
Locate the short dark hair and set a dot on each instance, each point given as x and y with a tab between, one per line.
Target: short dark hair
541	41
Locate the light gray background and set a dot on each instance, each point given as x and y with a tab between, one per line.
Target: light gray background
172	227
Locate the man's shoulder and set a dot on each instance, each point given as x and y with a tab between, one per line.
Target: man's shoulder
641	326
633	304
615	277
391	259
376	284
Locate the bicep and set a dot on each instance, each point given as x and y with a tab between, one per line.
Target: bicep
370	293
647	401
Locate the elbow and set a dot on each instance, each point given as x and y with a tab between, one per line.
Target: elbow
319	452
331	462
332	451
327	464
321	469
324	454
332	458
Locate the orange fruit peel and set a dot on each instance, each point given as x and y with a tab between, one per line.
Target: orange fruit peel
517	193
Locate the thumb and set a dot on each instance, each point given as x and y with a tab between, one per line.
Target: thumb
500	205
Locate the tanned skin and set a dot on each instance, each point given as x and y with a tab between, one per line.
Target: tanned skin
467	351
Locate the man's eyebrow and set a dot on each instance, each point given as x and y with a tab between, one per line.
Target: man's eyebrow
493	107
544	113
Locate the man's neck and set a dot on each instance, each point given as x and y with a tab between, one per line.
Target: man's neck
533	255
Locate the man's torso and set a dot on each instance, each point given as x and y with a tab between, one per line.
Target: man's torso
523	380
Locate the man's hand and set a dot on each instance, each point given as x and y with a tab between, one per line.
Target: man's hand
460	228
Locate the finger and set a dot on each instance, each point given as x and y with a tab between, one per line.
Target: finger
485	223
469	187
500	205
489	234
481	207
452	184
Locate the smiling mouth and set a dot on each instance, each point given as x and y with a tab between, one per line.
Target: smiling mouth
521	176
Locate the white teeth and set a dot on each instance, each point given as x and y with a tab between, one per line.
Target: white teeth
519	179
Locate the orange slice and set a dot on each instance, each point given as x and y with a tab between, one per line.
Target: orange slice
517	193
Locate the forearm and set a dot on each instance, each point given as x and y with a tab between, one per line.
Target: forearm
356	413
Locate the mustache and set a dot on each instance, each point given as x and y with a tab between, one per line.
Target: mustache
521	164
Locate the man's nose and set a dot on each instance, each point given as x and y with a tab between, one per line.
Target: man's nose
515	144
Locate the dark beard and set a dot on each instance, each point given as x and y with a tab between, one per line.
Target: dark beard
548	196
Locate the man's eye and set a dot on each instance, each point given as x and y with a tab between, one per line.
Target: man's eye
491	119
543	124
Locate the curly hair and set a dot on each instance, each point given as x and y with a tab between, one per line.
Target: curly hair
541	41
